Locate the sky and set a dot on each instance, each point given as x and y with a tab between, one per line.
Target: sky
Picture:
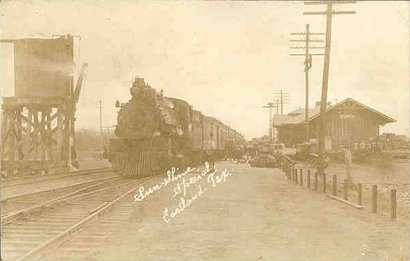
226	58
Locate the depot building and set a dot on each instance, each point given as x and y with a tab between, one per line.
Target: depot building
347	122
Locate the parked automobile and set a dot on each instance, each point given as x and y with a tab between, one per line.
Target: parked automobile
264	161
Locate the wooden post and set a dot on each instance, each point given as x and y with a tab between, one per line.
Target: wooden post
308	178
292	171
35	137
393	203
316	185
301	176
324	182
50	146
287	171
20	146
4	134
66	137
296	176
60	137
359	194
345	189
374	198
29	141
5	137
12	146
289	168
334	185
43	136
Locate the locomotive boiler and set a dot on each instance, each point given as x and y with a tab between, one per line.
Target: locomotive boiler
155	133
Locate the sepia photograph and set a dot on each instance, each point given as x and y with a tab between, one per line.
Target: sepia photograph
204	130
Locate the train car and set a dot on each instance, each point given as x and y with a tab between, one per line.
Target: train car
155	133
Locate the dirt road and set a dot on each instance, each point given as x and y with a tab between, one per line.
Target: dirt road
253	214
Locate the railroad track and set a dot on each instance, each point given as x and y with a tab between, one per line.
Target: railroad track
92	241
5	183
31	232
19	202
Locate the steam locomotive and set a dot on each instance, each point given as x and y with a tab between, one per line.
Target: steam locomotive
155	133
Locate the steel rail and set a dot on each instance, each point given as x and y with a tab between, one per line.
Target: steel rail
102	181
67	233
6	199
31	180
25	212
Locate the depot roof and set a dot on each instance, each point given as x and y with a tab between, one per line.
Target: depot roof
298	116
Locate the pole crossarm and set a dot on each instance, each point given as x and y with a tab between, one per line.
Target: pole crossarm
309	33
333	13
302	40
301	54
283	98
270	106
327	2
310	47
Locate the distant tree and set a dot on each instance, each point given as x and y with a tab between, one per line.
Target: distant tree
263	139
87	139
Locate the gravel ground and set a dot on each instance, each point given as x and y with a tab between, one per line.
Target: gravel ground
255	214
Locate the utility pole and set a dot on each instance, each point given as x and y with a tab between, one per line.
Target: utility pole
100	107
270	105
281	102
323	101
274	130
283	98
308	65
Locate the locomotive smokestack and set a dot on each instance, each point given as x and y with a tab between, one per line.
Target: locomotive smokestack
137	85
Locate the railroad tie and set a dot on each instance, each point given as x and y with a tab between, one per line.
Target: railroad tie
139	163
143	162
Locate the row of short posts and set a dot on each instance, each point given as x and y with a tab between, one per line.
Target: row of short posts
296	177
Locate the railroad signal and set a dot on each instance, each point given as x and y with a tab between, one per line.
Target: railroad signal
308	65
329	12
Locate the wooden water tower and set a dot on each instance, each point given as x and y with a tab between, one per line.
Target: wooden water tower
37	128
